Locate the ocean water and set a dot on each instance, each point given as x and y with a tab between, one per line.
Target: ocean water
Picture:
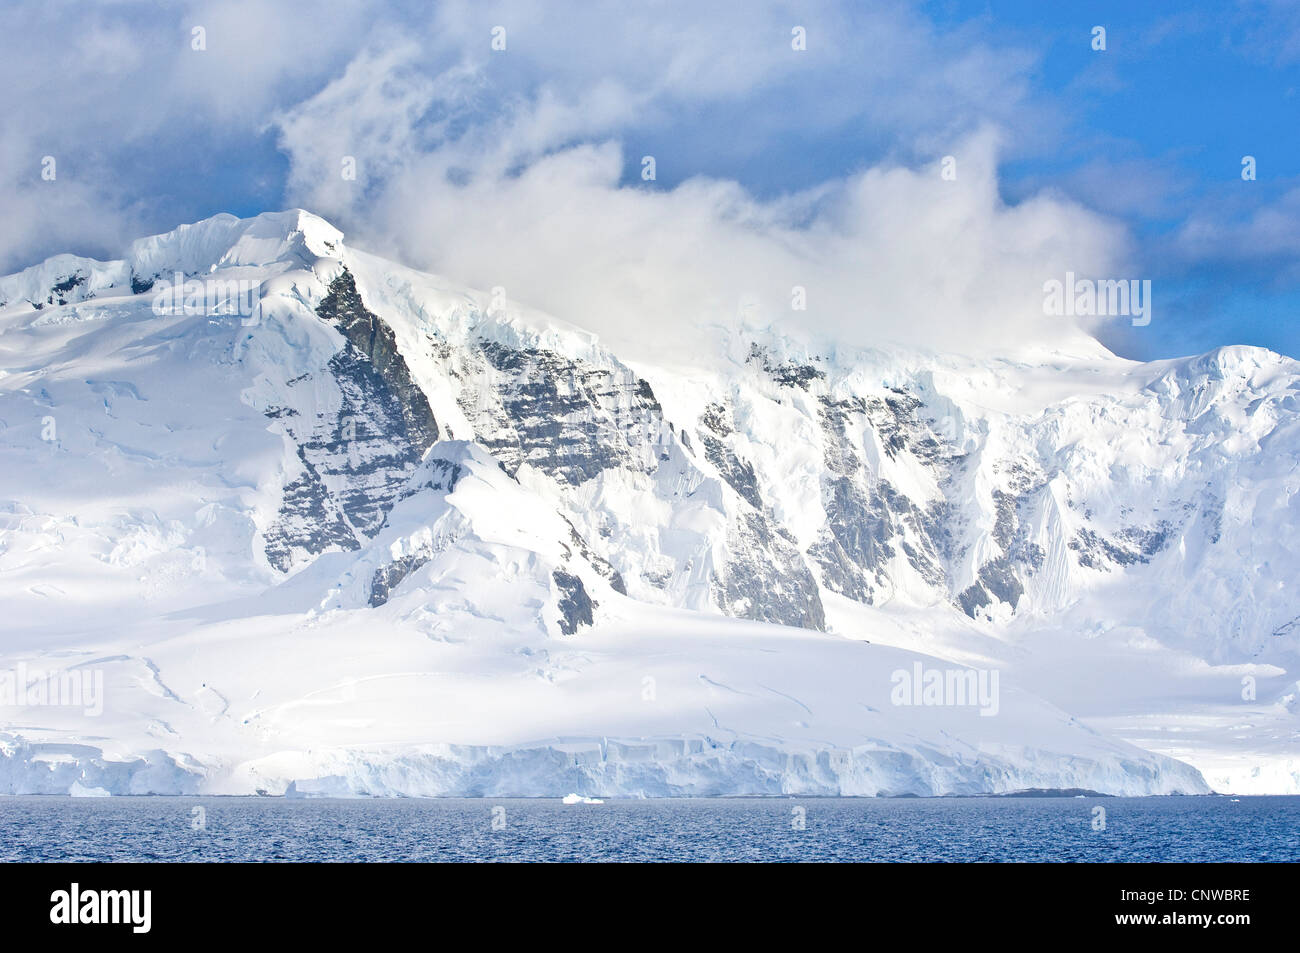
721	830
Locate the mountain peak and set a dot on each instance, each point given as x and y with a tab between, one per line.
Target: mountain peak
293	236
272	241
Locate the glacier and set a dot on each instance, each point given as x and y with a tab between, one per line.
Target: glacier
388	535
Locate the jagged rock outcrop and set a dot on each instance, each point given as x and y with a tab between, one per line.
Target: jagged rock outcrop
355	464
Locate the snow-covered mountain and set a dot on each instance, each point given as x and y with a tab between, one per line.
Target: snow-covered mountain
322	523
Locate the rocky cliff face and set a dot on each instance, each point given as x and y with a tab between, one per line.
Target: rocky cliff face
585	426
355	461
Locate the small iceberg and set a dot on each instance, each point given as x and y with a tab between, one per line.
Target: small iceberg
579	799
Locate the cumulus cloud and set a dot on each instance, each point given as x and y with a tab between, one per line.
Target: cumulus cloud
1233	229
143	127
889	254
530	185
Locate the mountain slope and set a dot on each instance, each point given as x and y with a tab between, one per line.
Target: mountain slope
398	484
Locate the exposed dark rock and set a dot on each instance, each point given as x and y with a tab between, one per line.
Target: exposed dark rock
576	607
867	520
606	571
1003	579
369	335
767	579
389	577
59	291
1131	545
440	476
647	397
366	455
785	373
310	521
895	419
567	418
997	581
738	473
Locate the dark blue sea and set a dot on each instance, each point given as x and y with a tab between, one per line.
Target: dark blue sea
721	830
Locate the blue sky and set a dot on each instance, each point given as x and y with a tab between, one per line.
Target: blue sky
761	148
1180	95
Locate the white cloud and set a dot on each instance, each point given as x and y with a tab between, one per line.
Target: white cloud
1232	230
532	192
117	95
